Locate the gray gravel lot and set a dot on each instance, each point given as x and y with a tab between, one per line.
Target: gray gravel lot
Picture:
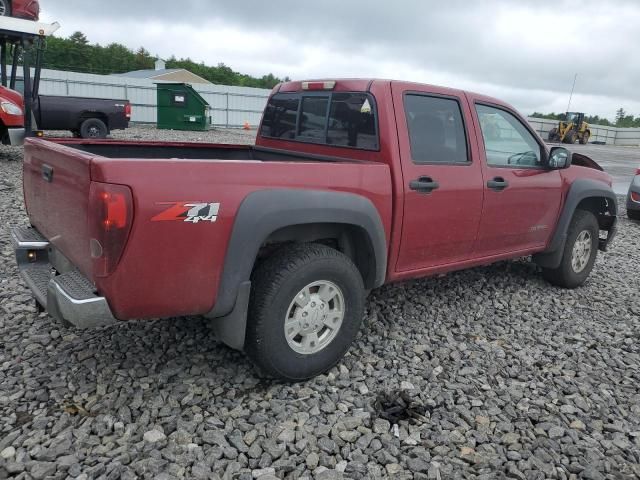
507	377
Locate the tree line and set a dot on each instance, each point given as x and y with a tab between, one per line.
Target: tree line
622	119
76	54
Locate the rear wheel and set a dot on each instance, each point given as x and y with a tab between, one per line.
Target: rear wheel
580	251
5	8
93	128
553	135
584	139
306	308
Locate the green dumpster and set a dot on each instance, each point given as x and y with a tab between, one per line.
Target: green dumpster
180	107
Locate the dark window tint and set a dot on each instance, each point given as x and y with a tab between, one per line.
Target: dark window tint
280	117
436	130
338	119
313	118
352	121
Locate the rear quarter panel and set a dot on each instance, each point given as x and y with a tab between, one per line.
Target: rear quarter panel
173	268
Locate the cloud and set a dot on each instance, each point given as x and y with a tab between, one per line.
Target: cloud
525	52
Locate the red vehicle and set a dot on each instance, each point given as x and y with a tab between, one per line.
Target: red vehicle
11	117
27	9
351	184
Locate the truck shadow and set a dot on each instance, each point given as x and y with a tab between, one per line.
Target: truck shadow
182	355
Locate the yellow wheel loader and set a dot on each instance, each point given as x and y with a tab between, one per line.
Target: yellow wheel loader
571	129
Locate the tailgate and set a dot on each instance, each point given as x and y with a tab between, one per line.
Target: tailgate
56	191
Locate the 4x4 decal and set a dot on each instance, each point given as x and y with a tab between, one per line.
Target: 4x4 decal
192	212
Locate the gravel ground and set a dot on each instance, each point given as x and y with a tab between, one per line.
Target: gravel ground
503	376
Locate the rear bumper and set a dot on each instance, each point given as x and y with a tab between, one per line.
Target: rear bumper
64	292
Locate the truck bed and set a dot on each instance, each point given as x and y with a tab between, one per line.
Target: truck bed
167	263
188	151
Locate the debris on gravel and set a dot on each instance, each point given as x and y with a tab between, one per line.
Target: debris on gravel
487	373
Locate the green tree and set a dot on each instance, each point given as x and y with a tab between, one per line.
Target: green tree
79	51
76	54
143	59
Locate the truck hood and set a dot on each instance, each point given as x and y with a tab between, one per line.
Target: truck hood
584	161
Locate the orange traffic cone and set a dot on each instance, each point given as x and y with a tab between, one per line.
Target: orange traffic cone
246	126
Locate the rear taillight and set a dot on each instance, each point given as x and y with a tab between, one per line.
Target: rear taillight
635	197
127	110
110	219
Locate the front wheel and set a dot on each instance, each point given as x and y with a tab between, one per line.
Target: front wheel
580	251
307	303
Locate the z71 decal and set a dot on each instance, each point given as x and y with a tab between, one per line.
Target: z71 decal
192	212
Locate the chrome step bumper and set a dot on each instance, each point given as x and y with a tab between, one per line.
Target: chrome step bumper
67	296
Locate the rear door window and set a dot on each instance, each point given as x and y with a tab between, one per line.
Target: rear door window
436	130
340	119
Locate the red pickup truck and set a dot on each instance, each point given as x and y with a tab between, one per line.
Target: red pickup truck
351	184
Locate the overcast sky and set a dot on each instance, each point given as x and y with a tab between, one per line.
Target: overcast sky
523	51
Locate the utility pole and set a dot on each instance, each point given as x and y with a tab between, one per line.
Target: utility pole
571	94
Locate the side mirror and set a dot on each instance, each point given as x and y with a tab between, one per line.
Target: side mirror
559	158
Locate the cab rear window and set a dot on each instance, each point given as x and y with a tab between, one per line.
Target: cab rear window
340	119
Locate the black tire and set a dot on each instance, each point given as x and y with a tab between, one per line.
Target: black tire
565	275
5	8
584	139
633	214
570	137
93	128
275	284
553	135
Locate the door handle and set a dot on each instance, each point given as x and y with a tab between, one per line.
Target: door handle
498	184
424	185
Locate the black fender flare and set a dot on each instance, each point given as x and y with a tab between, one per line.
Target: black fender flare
264	212
580	190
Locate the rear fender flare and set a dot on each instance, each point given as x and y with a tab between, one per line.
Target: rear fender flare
267	211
